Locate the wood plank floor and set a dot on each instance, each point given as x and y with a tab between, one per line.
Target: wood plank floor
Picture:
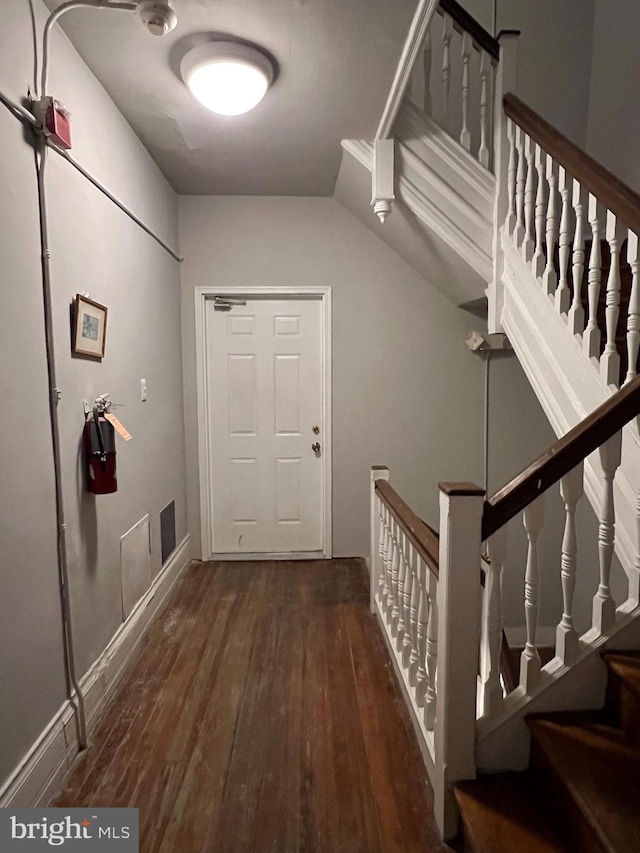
262	715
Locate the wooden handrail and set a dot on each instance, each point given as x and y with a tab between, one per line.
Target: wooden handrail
469	24
612	192
561	457
423	538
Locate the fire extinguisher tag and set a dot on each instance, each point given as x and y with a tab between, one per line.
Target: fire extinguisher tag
118	426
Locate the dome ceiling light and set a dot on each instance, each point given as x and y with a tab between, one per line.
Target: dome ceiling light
226	77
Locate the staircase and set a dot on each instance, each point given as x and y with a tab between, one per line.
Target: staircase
580	792
501	206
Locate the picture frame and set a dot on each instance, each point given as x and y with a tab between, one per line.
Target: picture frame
89	327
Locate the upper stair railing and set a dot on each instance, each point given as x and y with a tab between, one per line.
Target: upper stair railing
440	619
576	228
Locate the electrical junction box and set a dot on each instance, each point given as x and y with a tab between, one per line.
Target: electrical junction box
56	121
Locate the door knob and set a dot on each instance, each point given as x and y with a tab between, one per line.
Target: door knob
316	447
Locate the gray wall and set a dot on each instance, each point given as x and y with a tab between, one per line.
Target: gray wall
614	119
95	249
555	55
406	392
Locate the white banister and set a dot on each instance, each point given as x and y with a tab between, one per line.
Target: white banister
576	312
447	33
459	599
414	606
423	624
571	489
431	654
528	244
549	277
563	294
533	518
485	69
492	626
400	624
610	359
591	338
521	176
407	640
604	607
465	133
377	538
538	260
633	317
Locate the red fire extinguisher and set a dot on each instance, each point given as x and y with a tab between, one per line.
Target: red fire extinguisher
100	450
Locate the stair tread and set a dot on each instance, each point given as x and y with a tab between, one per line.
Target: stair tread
626	666
600	771
502	813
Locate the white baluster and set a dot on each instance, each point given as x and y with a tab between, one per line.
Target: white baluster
467	47
530	660
447	33
571	489
576	312
393	612
423	621
604	607
382	546
485	68
426	65
591	338
633	317
538	260
492	696
431	653
409	580
402	576
521	175
414	605
610	359
563	294
529	201
512	169
386	564
549	278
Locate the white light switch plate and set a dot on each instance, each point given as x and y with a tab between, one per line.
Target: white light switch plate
143	390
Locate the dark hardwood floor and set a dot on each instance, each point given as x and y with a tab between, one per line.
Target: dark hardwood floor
262	715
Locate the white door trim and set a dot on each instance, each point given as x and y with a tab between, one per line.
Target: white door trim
204	468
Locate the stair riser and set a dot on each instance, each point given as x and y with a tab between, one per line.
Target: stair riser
564	811
623	709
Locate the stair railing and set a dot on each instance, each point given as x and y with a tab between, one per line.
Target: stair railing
448	71
438	618
563	210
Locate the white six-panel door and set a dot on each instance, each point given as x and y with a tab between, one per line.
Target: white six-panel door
264	414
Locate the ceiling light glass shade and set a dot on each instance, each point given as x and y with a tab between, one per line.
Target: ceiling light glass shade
227	78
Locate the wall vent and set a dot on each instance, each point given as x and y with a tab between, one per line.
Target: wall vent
168	531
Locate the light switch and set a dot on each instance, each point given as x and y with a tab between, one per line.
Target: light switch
143	390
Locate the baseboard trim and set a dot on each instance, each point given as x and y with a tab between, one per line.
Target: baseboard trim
38	776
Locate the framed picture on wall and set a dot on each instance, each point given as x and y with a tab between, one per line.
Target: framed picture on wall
89	328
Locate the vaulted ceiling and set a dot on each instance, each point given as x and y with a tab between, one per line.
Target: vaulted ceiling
336	60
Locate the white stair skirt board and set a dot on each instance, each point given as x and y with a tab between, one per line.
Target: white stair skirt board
38	776
568	387
434	222
503	742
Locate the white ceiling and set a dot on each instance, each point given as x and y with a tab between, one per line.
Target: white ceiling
336	62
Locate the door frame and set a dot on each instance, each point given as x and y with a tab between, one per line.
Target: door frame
204	456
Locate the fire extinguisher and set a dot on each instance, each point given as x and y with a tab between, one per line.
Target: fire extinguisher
100	450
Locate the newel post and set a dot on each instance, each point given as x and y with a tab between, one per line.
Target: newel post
378	472
459	605
506	82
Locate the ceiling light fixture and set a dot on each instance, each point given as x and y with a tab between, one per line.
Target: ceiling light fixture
226	77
